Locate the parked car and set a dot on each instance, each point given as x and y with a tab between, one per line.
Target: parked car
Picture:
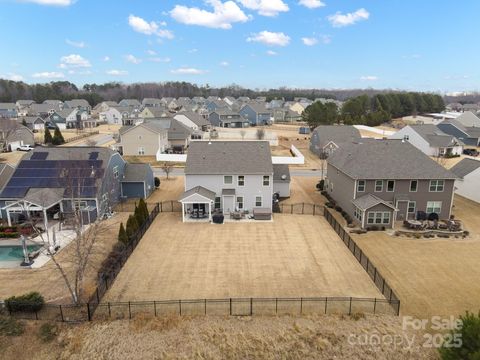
470	152
25	148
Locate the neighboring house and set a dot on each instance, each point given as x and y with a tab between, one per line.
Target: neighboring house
8	110
13	135
56	103
282	115
228	176
133	103
119	115
454	107
179	135
34	123
256	113
281	180
152	102
297	107
229	100
43	110
468	135
468	119
214	105
378	182
154	112
80	104
68	118
227	118
276	104
144	139
50	180
138	181
467	184
474	108
102	107
430	140
325	139
193	120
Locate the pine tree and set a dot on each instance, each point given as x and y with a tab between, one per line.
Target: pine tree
144	209
122	234
47	138
58	137
132	226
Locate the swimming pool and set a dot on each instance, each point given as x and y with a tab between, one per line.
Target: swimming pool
15	252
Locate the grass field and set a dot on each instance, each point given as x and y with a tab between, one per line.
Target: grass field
431	276
293	256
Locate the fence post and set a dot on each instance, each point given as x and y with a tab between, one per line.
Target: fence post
89	316
61	312
326	302
350	309
205	303
171	203
155	308
383	286
161	207
251	306
276	306
109	310
291	209
129	311
301	305
398	308
375	276
375	306
230	306
180	307
303	208
314	206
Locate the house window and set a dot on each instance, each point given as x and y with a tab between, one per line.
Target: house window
436	185
357	213
390	185
434	207
413	185
241	180
266	180
217	203
240	202
141	150
378	217
228	179
361	186
378	185
412	205
115	172
80	205
258	201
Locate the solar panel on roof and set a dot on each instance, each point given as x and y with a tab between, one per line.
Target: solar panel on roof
93	155
39	155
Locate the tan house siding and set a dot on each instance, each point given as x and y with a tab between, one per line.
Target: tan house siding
140	138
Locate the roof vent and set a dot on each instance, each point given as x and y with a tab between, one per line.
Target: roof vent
284	177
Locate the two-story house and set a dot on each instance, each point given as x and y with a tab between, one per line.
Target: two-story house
470	136
256	113
378	182
193	120
325	139
145	139
8	110
228	176
227	118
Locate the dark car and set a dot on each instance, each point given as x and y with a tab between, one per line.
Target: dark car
470	152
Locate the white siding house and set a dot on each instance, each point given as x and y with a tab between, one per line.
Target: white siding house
467	185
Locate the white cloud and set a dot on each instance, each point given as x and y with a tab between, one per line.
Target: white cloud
51	2
48	75
326	39
132	59
187	71
272	53
151	52
368	78
270	38
311	4
106	58
224	63
310	41
341	20
12	77
117	72
77	44
223	16
265	7
74	61
149	28
160	60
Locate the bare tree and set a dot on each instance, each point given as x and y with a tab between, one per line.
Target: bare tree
260	134
323	163
441	159
167	168
242	134
7	129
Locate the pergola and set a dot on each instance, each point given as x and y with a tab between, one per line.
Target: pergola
36	199
197	195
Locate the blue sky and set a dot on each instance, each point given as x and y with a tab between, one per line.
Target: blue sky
404	44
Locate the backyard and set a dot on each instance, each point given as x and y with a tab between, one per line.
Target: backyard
431	276
294	256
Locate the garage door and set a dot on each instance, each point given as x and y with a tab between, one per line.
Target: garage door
133	190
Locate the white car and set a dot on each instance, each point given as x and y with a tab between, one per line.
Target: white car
25	148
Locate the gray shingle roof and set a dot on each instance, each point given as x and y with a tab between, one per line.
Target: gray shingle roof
258	107
6	172
339	134
44	197
468	119
435	137
200	190
368	201
280	170
465	167
136	172
176	130
229	158
386	159
196	118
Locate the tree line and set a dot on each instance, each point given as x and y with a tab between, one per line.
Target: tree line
374	110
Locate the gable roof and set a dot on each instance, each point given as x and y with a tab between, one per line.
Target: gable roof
176	130
229	158
196	118
435	137
136	172
338	134
468	119
465	167
199	190
281	173
258	107
368	201
386	159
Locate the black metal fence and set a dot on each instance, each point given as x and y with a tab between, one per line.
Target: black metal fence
165	206
363	259
105	280
299	209
220	307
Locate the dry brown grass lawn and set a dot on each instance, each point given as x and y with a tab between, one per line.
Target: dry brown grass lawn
47	280
294	256
307	337
431	276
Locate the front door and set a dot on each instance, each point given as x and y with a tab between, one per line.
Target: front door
402	207
228	204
